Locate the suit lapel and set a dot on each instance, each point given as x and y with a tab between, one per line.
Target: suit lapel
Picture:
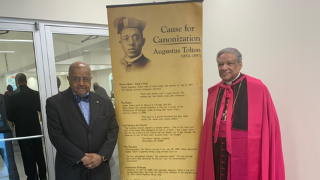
73	107
94	110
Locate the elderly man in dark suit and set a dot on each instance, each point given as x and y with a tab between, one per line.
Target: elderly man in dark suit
23	108
82	127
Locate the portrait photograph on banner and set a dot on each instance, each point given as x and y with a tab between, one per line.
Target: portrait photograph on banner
156	54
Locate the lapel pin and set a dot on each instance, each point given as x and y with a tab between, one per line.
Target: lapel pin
98	102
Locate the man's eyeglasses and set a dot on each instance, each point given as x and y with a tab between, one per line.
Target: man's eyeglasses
84	79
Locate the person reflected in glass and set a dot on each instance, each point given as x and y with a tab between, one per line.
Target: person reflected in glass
58	83
16	78
112	94
9	90
6	147
23	108
100	90
132	41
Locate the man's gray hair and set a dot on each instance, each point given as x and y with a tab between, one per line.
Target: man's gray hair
233	51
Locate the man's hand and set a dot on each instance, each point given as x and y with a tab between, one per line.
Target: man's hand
85	160
91	160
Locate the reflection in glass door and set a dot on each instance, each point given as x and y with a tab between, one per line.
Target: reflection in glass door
21	139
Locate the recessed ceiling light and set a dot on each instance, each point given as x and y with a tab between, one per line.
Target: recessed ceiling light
15	40
6	51
86	50
108	49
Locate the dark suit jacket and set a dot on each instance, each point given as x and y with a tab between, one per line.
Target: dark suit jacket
4	125
23	110
73	137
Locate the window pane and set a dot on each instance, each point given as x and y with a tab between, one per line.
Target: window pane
20	109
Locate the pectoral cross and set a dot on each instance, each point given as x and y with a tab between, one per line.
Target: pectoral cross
224	116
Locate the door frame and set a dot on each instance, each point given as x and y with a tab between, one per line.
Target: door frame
45	62
49	30
38	54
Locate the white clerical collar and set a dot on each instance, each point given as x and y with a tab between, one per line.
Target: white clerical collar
130	60
228	83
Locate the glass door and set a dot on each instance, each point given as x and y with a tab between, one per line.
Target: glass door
22	146
90	45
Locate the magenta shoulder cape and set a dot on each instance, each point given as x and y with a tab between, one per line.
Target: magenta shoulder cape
265	159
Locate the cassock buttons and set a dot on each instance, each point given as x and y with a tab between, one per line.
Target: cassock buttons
89	135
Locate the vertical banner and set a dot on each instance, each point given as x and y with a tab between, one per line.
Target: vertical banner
156	53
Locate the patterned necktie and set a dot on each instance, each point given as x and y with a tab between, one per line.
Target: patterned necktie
79	98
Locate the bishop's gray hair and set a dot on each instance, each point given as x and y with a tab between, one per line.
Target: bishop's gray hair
233	51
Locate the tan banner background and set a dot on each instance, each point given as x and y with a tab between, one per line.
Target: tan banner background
159	105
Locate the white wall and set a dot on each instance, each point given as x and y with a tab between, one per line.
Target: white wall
280	42
33	83
3	84
83	11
